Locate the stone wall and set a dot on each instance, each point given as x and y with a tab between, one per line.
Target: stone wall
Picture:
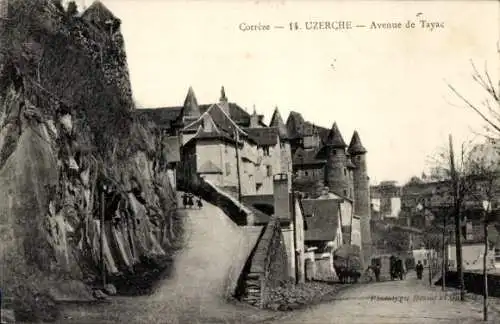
474	282
266	268
238	213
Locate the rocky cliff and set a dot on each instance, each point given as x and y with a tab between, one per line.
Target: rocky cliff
71	154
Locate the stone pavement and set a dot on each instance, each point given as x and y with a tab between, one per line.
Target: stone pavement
409	301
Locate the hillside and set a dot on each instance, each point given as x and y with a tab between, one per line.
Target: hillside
71	152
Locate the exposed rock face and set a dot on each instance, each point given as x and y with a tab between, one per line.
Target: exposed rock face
68	142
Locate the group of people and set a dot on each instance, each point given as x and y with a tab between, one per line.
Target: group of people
398	268
188	201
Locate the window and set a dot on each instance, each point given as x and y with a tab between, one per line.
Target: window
269	170
345	171
345	193
266	150
334	152
306	173
228	168
350	192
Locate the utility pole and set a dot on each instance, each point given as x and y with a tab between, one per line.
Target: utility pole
103	264
237	138
486	205
443	264
458	227
295	247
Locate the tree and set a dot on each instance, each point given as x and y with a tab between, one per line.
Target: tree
489	108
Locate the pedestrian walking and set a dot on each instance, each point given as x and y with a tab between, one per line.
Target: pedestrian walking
184	200
190	201
199	203
376	271
420	269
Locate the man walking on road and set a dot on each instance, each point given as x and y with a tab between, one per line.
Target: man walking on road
420	269
376	271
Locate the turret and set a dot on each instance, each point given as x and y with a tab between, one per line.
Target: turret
277	121
336	172
362	206
190	109
350	175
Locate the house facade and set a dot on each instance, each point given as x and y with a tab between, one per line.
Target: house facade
323	235
286	206
321	158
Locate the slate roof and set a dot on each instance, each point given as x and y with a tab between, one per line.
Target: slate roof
190	107
277	121
224	124
334	137
322	217
306	157
164	116
202	135
209	167
263	135
355	147
298	127
295	124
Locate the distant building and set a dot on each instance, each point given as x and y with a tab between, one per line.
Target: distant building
386	200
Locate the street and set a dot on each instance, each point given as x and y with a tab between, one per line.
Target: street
409	301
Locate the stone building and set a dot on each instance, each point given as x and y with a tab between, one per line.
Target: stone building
206	137
323	235
320	157
386	200
286	207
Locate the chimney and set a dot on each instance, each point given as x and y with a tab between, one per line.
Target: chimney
281	196
254	119
223	102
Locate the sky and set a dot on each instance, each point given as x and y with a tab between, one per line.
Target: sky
388	84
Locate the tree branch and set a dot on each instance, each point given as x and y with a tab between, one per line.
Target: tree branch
486	119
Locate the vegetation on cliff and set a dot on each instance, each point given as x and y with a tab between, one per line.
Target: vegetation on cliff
70	150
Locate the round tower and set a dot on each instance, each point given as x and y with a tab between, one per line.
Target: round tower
336	171
361	181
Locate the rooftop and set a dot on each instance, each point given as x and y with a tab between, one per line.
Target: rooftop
322	218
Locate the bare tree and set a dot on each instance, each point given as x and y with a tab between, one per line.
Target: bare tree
489	107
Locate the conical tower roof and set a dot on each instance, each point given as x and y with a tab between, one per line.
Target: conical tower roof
191	108
355	147
335	138
277	121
